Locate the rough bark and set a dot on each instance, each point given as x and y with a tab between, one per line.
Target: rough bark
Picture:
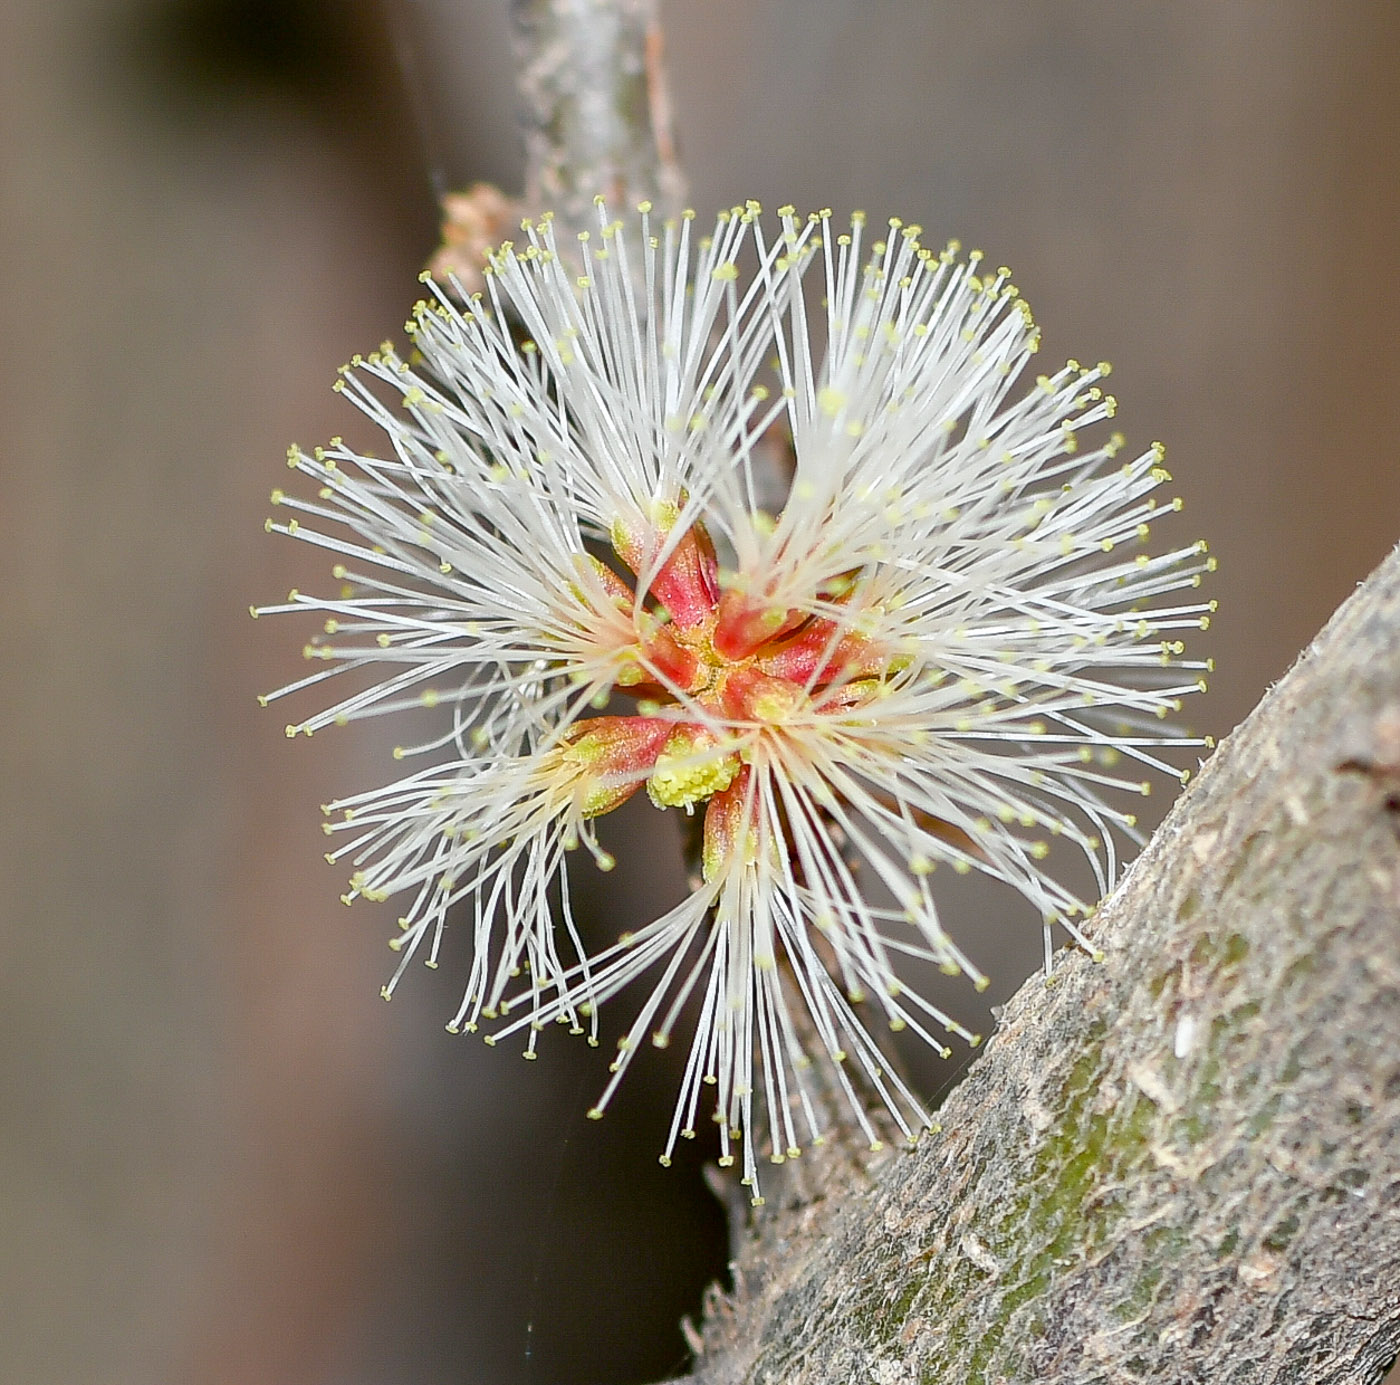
1181	1164
594	106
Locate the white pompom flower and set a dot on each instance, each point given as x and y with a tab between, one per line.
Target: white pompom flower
937	635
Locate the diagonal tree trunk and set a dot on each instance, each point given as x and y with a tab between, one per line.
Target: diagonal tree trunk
1182	1164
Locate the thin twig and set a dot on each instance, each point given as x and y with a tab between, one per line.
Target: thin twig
594	106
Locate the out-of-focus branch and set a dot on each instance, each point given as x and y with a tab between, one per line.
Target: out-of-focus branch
1182	1164
594	105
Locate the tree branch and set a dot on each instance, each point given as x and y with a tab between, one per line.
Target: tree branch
1182	1164
594	106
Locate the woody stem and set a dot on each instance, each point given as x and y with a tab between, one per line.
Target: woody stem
594	106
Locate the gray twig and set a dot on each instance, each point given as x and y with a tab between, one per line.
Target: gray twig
595	107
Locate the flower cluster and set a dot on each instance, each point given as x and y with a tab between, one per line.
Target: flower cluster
817	568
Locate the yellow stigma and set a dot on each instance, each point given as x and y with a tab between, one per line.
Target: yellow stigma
692	768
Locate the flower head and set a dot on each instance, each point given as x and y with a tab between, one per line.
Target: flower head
830	579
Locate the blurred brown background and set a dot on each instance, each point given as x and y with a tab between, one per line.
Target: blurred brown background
223	1158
